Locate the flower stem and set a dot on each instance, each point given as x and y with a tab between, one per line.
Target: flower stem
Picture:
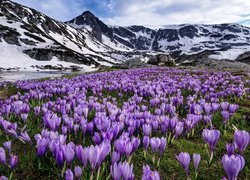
153	159
192	132
211	158
11	175
169	138
63	170
92	176
196	175
172	140
158	162
144	154
98	173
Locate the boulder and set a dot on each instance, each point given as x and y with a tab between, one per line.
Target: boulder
132	63
161	60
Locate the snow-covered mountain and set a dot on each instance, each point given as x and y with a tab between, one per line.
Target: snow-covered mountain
28	37
227	41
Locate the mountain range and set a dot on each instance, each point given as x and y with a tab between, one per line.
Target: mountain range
31	40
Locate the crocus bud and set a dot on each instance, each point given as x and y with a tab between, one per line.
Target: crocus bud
13	161
241	139
145	142
7	145
230	148
78	172
2	156
155	143
69	175
184	160
115	157
233	165
196	158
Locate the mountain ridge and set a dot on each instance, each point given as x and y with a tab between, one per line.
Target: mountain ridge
87	40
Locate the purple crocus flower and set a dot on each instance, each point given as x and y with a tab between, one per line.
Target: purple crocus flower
69	175
3	178
7	145
233	165
37	110
211	137
196	159
82	154
127	171
155	143
162	145
97	138
42	146
69	152
148	174
136	143
173	122
78	172
146	141
128	149
208	120
207	108
13	161
96	154
59	157
146	128
24	117
116	171
115	157
64	130
121	143
25	137
155	124
226	116
2	156
224	105
85	111
178	129
241	139
233	108
230	148
184	160
215	106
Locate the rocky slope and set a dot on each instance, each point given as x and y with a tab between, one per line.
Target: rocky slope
27	35
225	41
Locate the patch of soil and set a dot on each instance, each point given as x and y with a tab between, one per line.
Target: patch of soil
3	94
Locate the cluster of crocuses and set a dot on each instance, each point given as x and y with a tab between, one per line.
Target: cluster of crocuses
234	163
156	144
102	119
184	160
10	162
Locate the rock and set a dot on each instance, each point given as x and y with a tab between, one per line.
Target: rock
161	60
132	63
75	68
28	42
68	56
245	57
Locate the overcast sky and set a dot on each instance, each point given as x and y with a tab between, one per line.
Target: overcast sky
148	12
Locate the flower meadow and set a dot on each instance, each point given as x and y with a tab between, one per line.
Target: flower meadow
150	124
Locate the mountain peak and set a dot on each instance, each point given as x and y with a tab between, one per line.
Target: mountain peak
86	18
87	13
